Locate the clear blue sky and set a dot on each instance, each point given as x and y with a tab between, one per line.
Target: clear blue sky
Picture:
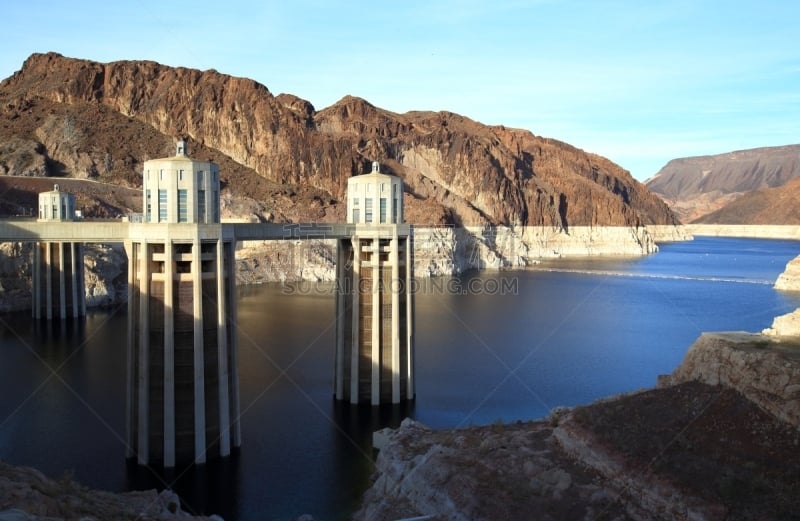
640	82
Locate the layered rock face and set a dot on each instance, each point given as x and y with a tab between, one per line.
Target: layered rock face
697	186
456	170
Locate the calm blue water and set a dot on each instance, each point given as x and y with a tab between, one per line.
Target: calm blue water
569	333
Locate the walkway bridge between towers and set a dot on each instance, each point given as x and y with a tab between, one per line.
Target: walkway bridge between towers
88	231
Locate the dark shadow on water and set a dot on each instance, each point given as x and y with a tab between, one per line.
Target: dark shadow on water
354	455
212	488
358	422
58	335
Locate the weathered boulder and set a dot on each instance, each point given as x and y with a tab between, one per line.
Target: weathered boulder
789	280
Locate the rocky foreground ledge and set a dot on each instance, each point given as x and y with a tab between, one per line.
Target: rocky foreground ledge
719	439
26	495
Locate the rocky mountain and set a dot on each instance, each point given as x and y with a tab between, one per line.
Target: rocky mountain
777	205
283	160
696	186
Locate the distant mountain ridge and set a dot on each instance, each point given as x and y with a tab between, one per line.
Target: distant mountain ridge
283	160
779	205
697	186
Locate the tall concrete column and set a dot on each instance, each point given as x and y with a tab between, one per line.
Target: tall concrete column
356	333
169	355
396	347
233	349
81	278
62	282
130	387
143	380
48	275
75	261
375	267
342	293
199	357
408	341
36	283
222	354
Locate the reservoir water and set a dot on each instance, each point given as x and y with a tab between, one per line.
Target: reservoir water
490	347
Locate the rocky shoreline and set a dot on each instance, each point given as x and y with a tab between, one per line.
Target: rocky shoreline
716	440
28	495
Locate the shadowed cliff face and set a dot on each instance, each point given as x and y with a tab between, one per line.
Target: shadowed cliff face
103	120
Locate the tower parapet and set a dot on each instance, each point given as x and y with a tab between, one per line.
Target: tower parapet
56	205
179	189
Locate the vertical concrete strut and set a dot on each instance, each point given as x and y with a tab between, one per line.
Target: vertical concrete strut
354	341
36	283
48	274
233	348
169	355
133	262
199	357
75	259
341	295
410	310
377	325
222	354
62	282
143	380
395	295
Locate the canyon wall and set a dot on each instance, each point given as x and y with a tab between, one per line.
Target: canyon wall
79	118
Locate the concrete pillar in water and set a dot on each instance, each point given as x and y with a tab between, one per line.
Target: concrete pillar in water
58	287
183	390
374	336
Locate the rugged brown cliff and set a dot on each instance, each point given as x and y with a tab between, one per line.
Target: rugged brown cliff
697	186
85	119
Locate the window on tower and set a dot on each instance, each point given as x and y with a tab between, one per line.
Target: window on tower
368	210
183	210
162	206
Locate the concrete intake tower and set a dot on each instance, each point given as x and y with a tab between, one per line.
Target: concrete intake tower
374	309
183	390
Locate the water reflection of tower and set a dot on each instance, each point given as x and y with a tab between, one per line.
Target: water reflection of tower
58	290
183	392
374	334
